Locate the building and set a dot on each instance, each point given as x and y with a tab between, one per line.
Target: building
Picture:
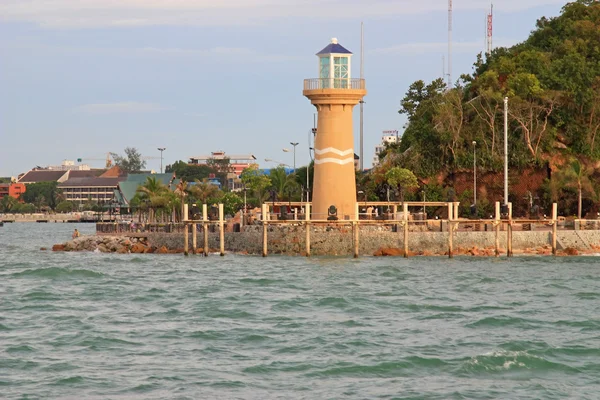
237	163
67	165
126	188
388	137
42	175
37	175
12	189
93	185
94	189
334	94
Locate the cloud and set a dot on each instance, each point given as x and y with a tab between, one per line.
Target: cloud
133	13
124	107
438	47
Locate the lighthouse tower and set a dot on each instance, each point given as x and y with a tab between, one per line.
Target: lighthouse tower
334	93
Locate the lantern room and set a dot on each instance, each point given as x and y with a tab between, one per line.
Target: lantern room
334	66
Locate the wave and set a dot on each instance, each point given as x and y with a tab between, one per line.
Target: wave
502	321
58	272
407	367
503	360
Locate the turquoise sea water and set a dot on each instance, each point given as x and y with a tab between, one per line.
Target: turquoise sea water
105	326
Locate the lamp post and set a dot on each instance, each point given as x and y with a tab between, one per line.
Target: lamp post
245	208
506	151
294	144
161	149
475	175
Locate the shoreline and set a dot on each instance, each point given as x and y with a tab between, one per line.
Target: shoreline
168	244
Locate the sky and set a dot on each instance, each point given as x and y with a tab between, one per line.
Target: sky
81	78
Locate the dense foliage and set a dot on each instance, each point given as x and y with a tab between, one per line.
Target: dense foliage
132	161
552	82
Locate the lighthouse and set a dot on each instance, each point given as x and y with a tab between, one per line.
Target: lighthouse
334	94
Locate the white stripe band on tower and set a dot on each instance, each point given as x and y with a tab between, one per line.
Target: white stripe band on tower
335	151
334	160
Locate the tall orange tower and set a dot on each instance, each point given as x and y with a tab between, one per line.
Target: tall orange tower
334	93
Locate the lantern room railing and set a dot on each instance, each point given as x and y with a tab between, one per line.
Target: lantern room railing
334	83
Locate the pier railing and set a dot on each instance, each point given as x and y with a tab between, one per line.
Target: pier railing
334	83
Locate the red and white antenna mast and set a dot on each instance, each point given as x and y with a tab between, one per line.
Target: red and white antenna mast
490	22
449	44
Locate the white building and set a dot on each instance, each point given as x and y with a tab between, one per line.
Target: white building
388	137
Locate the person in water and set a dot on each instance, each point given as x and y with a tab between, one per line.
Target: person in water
75	234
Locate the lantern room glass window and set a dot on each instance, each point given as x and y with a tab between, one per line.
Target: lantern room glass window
340	72
324	72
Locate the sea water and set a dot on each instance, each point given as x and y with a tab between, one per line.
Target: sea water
109	326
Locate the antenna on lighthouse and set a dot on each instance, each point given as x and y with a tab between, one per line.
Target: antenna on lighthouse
490	22
449	44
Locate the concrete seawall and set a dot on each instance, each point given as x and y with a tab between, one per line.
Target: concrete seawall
291	240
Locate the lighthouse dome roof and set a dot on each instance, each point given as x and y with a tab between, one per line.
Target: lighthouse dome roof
334	48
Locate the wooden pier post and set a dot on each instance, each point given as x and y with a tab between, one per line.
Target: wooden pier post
194	235
497	228
205	228
509	251
355	232
450	210
405	218
554	226
264	218
221	230
307	224
186	231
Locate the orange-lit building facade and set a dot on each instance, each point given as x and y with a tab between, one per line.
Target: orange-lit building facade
11	189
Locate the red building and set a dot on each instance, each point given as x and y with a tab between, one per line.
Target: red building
11	189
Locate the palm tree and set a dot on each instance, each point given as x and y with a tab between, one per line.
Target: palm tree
203	191
153	191
281	182
181	190
578	176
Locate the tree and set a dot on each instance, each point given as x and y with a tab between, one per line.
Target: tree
281	182
153	192
130	163
220	167
42	194
231	202
8	203
26	208
257	182
65	207
189	172
577	176
181	190
401	178
203	191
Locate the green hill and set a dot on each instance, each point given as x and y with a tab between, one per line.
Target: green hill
552	82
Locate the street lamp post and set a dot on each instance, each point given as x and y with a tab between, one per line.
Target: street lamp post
245	208
475	175
161	149
294	144
506	151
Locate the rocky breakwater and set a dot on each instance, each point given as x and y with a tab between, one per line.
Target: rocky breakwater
112	244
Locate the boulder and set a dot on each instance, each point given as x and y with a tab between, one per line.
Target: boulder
58	247
388	251
162	250
138	248
570	251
